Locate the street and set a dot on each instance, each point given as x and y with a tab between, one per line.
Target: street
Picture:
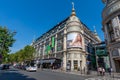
14	74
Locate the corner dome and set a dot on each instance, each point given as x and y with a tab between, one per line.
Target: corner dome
73	20
73	23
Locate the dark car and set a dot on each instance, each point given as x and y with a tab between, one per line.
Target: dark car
5	66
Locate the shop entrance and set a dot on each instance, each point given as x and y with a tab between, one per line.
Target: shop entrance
75	65
52	63
117	65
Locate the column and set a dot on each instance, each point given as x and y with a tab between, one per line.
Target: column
83	40
64	61
79	64
111	60
72	64
65	52
39	51
55	45
43	51
84	65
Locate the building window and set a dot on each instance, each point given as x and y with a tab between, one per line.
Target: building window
59	44
115	52
90	48
109	26
60	41
110	31
86	41
75	65
60	35
109	1
119	17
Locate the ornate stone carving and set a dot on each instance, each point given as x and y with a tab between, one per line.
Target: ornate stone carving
111	8
116	27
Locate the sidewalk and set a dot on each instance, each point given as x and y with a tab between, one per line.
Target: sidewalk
113	76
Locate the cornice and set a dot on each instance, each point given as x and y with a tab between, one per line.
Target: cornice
108	10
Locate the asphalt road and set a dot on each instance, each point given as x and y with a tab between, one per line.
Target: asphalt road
14	74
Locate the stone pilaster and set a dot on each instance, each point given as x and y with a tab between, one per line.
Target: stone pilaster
64	61
65	51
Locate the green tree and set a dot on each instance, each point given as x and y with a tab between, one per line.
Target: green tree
6	41
29	51
24	54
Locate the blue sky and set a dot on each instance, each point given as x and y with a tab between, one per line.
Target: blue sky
31	18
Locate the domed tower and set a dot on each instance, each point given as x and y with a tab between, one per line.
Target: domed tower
75	42
74	31
111	28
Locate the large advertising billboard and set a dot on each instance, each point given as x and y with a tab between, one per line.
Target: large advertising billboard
74	40
50	46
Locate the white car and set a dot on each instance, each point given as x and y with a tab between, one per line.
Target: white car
31	68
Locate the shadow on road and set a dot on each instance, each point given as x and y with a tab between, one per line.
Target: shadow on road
14	76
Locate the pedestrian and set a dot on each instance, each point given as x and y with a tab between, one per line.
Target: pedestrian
110	70
100	71
53	67
103	71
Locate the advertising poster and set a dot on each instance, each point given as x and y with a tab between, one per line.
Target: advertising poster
74	40
50	46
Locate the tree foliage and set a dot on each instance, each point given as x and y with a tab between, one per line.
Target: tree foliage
24	54
6	41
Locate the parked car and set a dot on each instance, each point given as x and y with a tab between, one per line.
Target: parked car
31	68
4	66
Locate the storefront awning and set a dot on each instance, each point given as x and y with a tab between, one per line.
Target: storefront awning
47	61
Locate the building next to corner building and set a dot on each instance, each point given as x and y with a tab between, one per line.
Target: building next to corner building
65	45
111	28
102	56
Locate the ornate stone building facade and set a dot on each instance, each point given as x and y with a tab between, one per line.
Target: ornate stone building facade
67	41
111	28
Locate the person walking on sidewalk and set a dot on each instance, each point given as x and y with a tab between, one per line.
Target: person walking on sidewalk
103	71
100	71
110	70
